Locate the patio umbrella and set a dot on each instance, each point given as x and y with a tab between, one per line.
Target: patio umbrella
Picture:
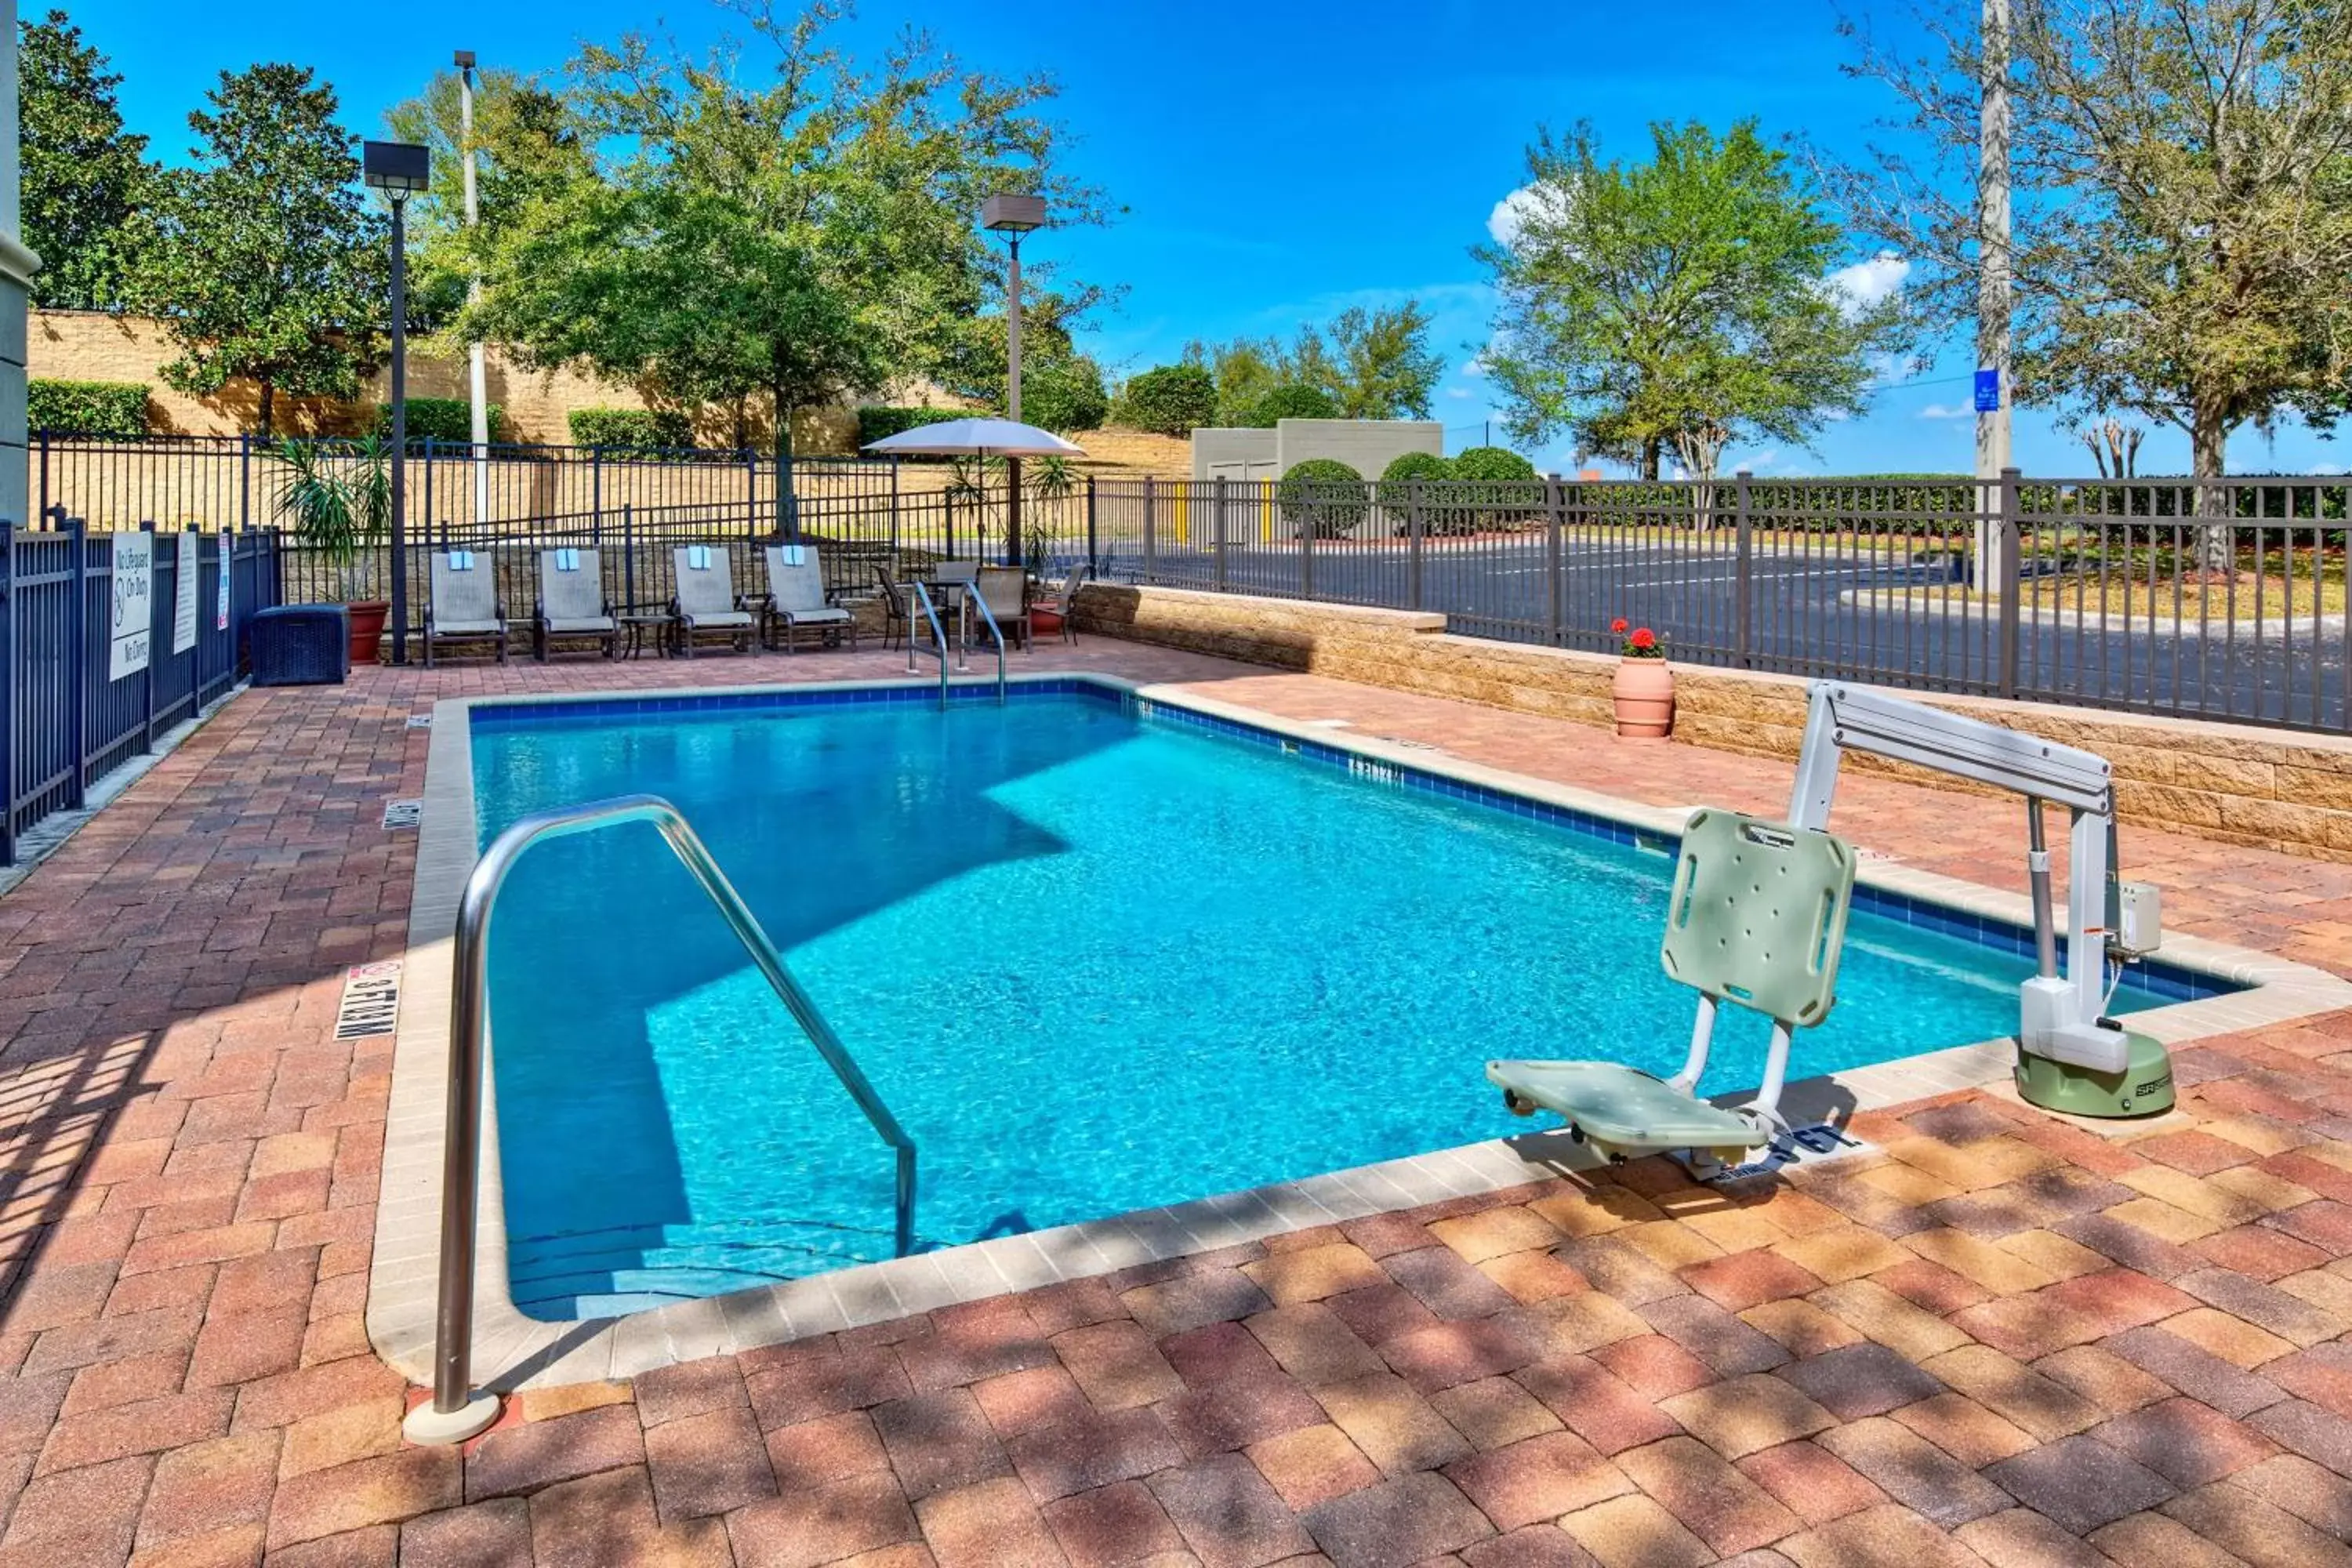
1006	438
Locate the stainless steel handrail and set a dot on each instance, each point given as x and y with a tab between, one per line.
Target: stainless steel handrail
468	1022
939	638
988	618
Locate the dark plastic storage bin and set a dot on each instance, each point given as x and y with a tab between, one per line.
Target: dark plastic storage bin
301	645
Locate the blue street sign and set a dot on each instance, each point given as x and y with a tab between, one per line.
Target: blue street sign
1988	392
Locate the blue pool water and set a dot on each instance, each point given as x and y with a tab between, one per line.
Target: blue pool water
1094	961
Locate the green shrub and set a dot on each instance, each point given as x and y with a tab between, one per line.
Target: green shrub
877	420
1174	400
1065	395
87	408
1292	400
1407	466
631	430
439	419
1492	465
1321	495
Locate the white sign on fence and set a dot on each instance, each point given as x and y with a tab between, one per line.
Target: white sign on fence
220	598
184	595
134	601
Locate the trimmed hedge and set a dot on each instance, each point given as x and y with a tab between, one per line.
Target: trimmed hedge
1174	400
631	430
1407	466
1292	400
1322	494
440	419
1492	465
116	408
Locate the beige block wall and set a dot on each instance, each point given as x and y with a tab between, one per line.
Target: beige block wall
2231	783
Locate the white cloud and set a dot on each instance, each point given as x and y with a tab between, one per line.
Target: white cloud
1948	410
1457	391
1511	214
1862	284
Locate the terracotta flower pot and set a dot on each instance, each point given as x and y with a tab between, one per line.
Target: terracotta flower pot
1644	694
367	627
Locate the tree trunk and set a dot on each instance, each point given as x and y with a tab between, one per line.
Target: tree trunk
1649	460
267	391
2208	441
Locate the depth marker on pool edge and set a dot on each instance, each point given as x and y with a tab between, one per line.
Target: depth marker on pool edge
371	1004
403	812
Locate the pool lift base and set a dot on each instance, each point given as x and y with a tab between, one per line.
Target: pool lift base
2071	1057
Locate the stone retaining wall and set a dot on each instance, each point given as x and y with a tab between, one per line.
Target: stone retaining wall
2233	783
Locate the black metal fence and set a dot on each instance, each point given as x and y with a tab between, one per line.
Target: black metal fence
2219	599
68	719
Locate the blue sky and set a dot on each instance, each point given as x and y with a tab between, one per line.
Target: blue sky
1277	163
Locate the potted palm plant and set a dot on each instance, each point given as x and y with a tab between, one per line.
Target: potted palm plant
341	514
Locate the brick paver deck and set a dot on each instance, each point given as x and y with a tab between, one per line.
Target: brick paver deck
2000	1341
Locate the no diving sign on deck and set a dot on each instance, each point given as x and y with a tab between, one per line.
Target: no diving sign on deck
371	1004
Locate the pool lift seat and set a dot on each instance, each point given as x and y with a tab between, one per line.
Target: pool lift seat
1756	919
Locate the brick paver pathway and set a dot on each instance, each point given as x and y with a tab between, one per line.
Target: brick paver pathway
1999	1339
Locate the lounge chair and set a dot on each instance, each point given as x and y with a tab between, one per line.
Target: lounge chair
796	599
572	602
1005	591
1060	614
464	604
705	601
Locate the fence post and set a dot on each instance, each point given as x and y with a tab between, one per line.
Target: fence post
1150	519
1412	529
894	515
11	671
2007	581
788	505
147	676
43	510
1307	525
596	489
78	664
629	558
1093	539
1743	577
245	478
750	493
1217	509
1555	574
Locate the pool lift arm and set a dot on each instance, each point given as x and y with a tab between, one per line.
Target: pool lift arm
2071	1057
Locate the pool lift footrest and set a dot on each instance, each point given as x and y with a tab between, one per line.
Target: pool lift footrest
1621	1110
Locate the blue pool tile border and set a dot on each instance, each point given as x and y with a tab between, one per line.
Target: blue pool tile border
2172	980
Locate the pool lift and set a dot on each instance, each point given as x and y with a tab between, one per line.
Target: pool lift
1758	917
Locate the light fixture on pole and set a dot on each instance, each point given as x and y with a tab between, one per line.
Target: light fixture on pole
400	170
1013	216
478	393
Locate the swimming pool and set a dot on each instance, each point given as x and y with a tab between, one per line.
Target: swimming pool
1096	956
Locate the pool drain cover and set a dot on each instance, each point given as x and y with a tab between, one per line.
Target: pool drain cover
403	812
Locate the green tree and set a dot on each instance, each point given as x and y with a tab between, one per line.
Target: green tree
1366	363
1290	400
1681	303
2181	245
265	262
1170	400
84	177
798	233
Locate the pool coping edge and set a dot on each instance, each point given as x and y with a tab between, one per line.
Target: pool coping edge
513	1352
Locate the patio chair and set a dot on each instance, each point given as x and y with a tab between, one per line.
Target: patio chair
572	602
796	599
1005	591
463	604
705	599
1059	615
896	616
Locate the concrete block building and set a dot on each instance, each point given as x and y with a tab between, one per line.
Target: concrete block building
1367	445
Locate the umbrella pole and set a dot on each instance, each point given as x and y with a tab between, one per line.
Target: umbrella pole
1012	512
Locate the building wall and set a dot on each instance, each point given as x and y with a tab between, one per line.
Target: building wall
1234	453
1367	445
16	267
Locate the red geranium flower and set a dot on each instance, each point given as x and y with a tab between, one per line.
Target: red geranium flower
1644	639
1618	625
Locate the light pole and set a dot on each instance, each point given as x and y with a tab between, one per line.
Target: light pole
1013	216
400	170
478	429
1993	392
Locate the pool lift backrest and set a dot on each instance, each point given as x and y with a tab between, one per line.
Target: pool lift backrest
2061	1016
